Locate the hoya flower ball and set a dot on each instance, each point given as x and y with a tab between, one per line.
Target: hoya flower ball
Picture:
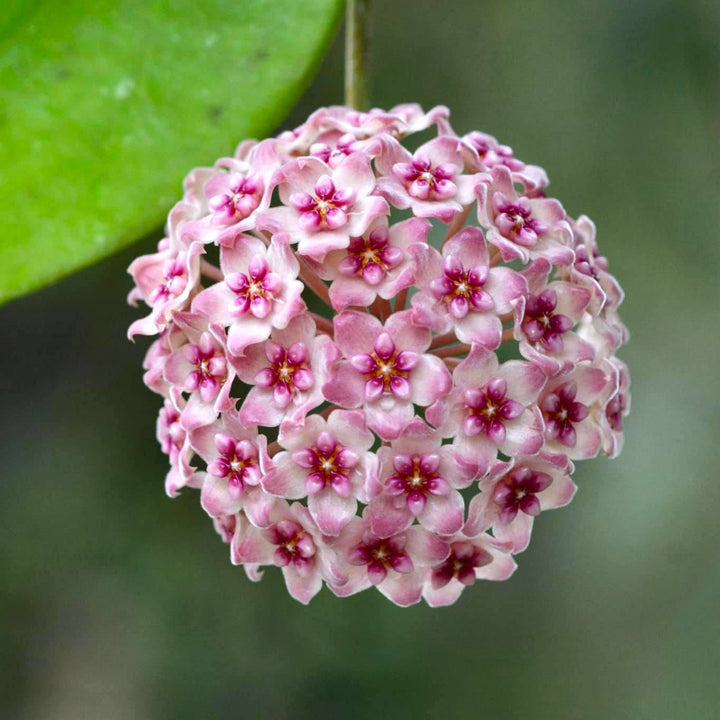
379	358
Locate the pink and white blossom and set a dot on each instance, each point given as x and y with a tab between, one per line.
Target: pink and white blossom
590	269
545	318
260	291
237	460
491	408
523	228
397	566
200	369
377	264
171	338
166	281
491	153
419	479
329	463
333	146
342	387
471	558
175	443
616	407
514	493
431	181
324	207
231	195
291	542
572	406
459	291
385	370
286	373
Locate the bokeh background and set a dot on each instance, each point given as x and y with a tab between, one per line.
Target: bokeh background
119	603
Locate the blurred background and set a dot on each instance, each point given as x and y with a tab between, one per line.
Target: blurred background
119	603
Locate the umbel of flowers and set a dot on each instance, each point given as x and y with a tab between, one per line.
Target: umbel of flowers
379	364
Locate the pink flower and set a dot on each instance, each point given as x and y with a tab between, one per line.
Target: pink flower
569	404
201	369
260	291
545	318
459	291
470	559
420	479
386	370
234	196
617	406
328	462
491	153
154	363
590	269
225	526
332	147
237	460
287	373
166	281
414	119
431	181
601	325
514	493
377	264
520	227
336	125
491	408
324	207
397	565
342	385
230	196
292	543
174	442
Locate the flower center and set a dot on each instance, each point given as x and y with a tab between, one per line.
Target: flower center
488	409
416	477
380	555
240	199
288	372
295	545
174	282
462	289
329	464
255	290
322	207
210	371
463	559
386	369
516	492
427	177
325	208
542	324
237	461
561	412
515	222
425	182
371	258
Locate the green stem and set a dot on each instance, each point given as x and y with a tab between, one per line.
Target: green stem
356	54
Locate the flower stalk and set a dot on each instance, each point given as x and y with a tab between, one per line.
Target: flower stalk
356	54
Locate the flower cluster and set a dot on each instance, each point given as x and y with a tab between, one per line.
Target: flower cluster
378	365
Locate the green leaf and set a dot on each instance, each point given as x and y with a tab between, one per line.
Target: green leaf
105	106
